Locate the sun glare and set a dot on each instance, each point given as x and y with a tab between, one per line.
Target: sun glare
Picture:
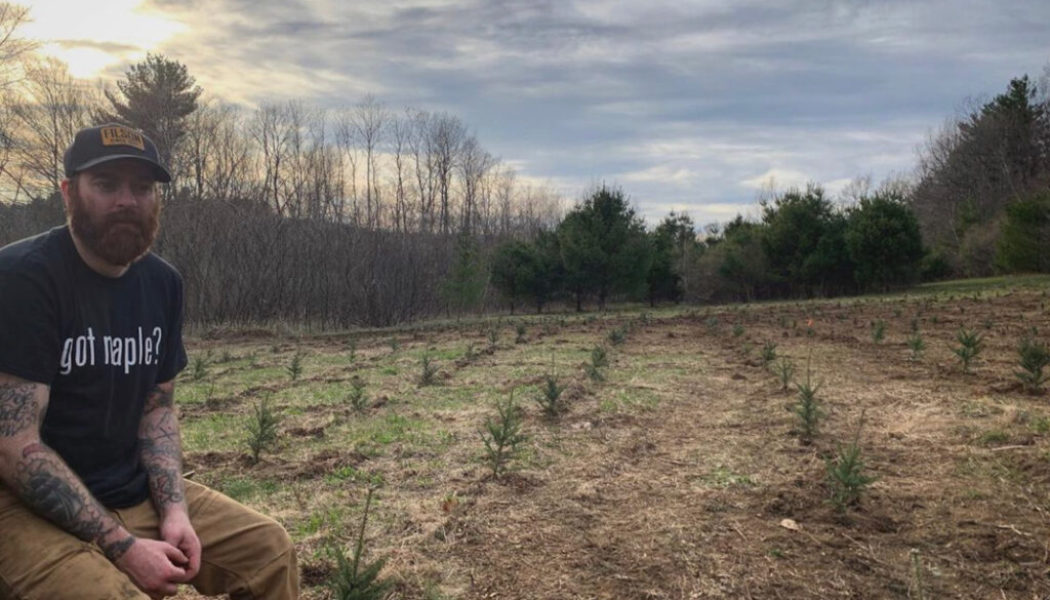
90	36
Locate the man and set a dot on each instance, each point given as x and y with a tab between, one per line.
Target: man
92	501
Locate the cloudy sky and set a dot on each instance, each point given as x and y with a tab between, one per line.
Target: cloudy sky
688	105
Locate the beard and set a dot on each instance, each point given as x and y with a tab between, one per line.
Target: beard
119	238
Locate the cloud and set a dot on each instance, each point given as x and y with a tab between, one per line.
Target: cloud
683	102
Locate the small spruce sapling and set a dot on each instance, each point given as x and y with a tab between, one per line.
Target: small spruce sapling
200	366
262	429
357	397
784	369
808	409
846	476
502	435
550	400
599	359
428	370
519	330
1034	358
295	368
769	353
617	336
878	331
357	580
970	345
916	345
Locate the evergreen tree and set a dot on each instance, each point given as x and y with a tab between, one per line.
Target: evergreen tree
883	240
670	241
1025	241
604	247
156	95
801	260
464	286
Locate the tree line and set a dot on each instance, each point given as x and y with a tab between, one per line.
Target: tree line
370	216
804	245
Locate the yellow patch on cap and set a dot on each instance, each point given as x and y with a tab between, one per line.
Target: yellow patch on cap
122	136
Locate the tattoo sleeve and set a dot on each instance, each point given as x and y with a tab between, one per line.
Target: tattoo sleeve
40	477
161	449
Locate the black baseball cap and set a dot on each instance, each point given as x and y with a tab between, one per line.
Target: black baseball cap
112	141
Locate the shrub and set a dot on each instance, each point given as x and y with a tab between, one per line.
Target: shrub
355	580
769	353
470	353
493	335
262	429
617	336
357	398
351	347
295	368
878	331
428	370
1034	357
520	330
599	359
970	345
502	435
917	345
808	409
200	366
738	330
784	369
846	477
550	399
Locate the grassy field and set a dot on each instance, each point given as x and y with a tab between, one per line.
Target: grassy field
679	470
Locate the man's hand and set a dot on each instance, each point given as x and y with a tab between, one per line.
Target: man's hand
177	530
154	566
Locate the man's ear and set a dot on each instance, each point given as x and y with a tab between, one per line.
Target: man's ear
64	187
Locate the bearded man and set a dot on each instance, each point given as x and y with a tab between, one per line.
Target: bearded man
92	499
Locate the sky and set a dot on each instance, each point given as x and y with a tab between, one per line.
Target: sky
692	106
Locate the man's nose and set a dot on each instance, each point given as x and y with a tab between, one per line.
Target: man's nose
125	197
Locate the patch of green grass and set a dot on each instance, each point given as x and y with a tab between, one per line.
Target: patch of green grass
243	488
993	438
211	433
723	477
624	401
352	474
390	370
393	428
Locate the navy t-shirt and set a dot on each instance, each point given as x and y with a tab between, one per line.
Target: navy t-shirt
100	343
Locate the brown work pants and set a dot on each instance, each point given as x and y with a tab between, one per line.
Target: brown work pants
244	554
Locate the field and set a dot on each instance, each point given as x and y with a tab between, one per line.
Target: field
679	473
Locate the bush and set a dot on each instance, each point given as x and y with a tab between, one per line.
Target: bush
970	345
846	477
808	409
354	580
262	429
428	370
1034	357
550	398
502	435
357	398
295	368
1025	236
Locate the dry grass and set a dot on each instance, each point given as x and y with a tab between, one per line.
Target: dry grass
672	477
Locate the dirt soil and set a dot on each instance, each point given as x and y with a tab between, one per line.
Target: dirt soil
681	475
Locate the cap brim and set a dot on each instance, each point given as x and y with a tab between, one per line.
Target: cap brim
159	172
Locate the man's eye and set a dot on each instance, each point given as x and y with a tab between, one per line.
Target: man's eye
106	185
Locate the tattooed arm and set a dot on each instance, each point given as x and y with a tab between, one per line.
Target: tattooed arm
46	484
161	452
161	455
